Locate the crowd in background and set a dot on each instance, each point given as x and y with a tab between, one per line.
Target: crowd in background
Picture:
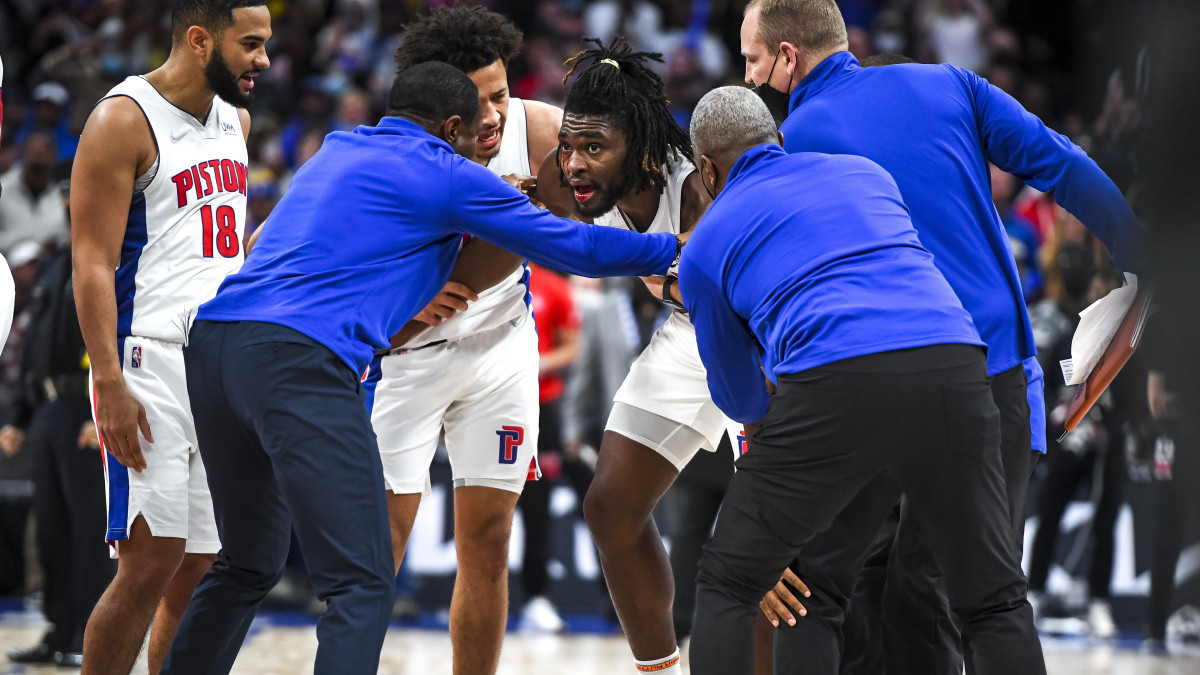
331	67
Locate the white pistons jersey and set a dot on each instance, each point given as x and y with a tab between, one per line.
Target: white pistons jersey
666	219
186	218
668	379
508	300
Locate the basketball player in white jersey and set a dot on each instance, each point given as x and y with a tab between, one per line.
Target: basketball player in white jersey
159	195
470	371
623	160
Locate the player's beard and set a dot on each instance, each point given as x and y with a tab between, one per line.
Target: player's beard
604	198
224	83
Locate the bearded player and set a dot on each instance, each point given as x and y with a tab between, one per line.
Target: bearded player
471	372
159	195
623	161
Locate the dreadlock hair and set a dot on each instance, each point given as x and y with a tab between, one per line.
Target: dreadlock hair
633	98
467	37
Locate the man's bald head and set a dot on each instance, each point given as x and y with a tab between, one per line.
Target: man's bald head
728	121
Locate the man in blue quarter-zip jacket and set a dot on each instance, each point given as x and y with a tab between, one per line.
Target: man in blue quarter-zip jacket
364	238
934	128
809	265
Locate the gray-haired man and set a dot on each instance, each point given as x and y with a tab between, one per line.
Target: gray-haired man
878	369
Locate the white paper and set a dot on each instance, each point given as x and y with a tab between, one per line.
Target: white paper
1097	326
1068	369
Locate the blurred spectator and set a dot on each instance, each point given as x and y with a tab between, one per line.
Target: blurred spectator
262	196
955	31
16	467
353	109
345	44
50	100
610	339
558	345
32	204
52	423
311	115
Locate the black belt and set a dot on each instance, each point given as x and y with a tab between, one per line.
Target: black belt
405	350
66	385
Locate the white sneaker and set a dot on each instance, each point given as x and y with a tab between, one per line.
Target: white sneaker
540	616
1100	620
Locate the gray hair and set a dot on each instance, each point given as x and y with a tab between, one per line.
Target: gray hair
731	120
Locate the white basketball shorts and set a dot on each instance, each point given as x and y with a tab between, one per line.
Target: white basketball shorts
172	492
664	402
481	390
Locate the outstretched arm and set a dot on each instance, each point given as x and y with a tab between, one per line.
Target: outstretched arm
1018	142
490	209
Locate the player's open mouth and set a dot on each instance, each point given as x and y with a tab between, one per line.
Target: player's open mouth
247	80
489	138
583	192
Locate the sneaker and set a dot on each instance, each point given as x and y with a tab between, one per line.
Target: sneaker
540	616
1100	620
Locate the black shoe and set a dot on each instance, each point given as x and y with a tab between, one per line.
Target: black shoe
40	653
69	659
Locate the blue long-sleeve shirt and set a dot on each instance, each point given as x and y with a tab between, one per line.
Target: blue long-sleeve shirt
935	128
370	228
803	260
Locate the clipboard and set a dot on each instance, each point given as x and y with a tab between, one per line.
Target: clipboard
1126	339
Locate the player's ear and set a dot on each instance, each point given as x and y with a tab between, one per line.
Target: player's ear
452	128
708	175
791	55
198	40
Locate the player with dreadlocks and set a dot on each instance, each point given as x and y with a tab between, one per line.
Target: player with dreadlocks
470	372
626	164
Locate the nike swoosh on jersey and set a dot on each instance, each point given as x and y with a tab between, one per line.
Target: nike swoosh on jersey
175	139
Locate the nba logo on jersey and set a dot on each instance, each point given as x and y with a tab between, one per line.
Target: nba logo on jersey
135	360
742	446
511	438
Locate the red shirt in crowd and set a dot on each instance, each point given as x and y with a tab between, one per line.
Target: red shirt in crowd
553	311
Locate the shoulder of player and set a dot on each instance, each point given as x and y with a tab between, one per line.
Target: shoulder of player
118	127
542	122
693	201
244	117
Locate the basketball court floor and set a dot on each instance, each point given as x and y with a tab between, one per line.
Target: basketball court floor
283	643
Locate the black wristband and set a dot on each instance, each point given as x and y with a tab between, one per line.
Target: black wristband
666	292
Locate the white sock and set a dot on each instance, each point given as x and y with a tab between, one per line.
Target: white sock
668	665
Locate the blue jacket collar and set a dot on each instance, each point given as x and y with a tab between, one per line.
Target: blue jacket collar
832	69
750	159
399	126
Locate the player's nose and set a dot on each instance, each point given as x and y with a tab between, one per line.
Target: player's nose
491	116
574	163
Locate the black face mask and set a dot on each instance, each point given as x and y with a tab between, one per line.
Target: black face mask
712	196
777	101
